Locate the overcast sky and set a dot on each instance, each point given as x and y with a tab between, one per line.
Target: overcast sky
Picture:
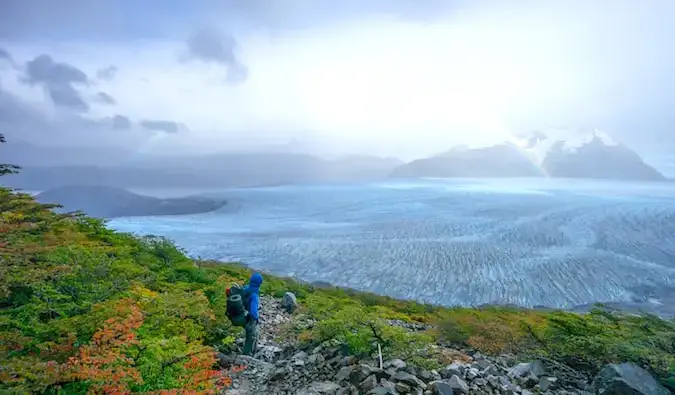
390	77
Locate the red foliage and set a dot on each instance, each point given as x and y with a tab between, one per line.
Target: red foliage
103	362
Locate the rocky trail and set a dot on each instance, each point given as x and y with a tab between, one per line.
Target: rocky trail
281	366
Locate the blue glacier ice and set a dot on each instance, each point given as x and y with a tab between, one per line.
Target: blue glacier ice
558	243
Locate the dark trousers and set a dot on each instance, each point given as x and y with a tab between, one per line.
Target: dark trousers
251	342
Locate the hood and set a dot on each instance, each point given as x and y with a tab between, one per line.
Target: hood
256	280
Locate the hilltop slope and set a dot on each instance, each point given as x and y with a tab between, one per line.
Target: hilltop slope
84	308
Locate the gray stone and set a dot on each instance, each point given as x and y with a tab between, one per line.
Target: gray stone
526	392
368	384
300	356
343	374
350	360
382	391
425	375
626	378
441	388
315	358
324	387
395	363
472	373
483	364
454	369
481	382
546	383
493	381
359	373
402	388
409	379
458	385
534	369
491	369
289	302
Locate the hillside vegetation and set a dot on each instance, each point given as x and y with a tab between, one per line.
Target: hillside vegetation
85	309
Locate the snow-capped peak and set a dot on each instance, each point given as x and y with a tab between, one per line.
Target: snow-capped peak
538	144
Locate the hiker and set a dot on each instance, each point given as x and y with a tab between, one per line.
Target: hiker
242	309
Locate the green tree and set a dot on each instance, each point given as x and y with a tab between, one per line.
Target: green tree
5	168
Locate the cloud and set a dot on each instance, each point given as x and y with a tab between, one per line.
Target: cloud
105	98
5	56
59	80
107	73
391	77
120	122
212	45
160	125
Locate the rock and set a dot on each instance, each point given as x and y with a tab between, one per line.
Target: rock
368	384
279	373
626	378
547	383
491	369
409	379
402	388
315	358
454	369
472	373
324	387
387	384
425	375
395	363
289	302
458	385
527	373
359	373
300	356
269	352
224	361
493	381
349	360
526	392
535	368
382	391
483	364
481	382
441	388
343	374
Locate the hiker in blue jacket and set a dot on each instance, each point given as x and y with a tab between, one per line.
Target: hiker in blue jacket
251	328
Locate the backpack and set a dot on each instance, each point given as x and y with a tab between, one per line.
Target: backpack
238	301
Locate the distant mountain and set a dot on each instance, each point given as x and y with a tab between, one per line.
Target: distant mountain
503	160
556	153
594	154
211	171
109	202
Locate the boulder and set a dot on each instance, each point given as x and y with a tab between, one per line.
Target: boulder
458	385
368	384
441	388
454	369
547	383
395	363
323	387
626	378
527	373
407	378
359	373
289	302
343	374
402	388
382	391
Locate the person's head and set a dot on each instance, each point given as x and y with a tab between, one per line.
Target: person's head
255	280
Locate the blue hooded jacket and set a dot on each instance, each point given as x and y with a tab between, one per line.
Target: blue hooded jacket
253	287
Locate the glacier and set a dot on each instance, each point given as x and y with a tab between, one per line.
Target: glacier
555	243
